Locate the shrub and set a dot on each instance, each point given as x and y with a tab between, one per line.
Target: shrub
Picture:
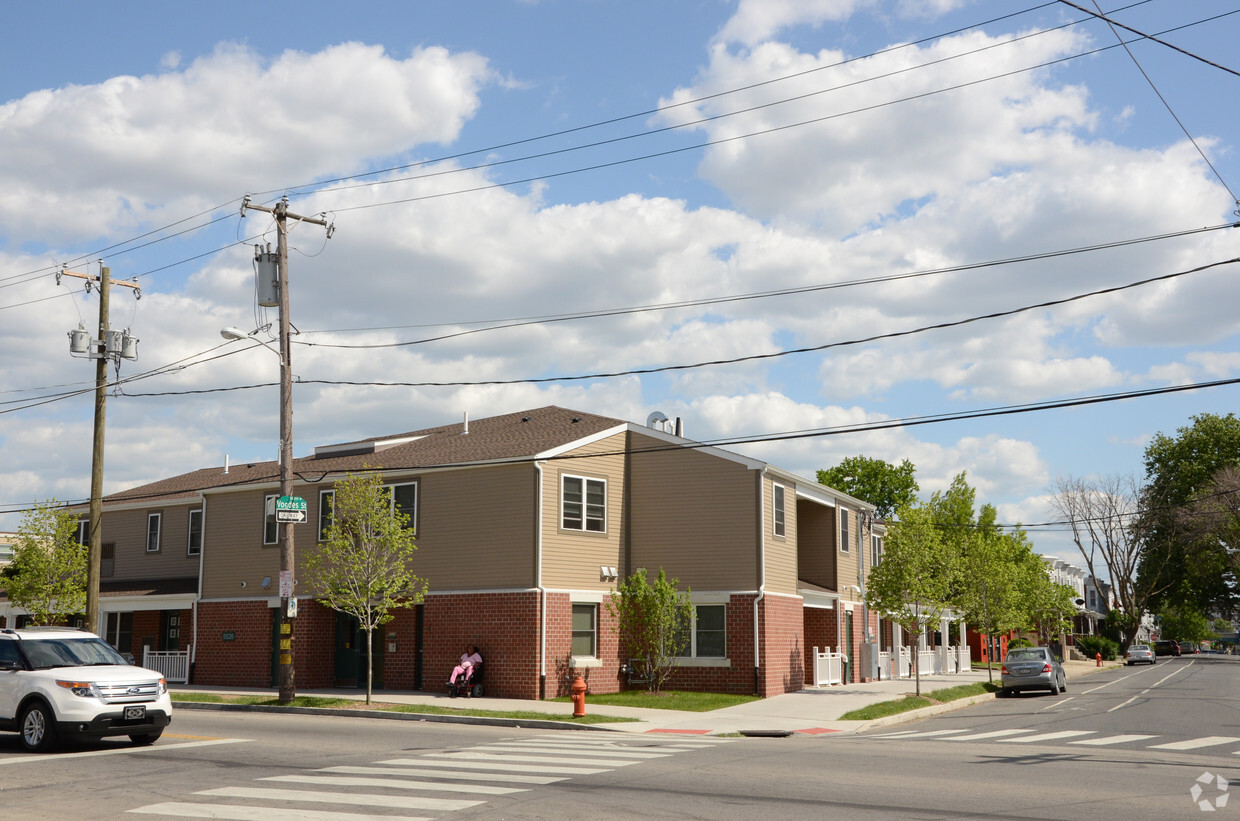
1091	646
1016	644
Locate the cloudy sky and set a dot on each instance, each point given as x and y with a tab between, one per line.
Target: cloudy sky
856	209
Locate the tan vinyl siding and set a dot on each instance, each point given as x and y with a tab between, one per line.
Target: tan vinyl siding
816	540
571	558
475	531
781	551
127	530
848	561
695	515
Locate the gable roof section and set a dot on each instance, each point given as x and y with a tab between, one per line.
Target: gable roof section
514	436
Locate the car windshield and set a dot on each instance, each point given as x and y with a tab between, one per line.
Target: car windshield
1026	654
47	653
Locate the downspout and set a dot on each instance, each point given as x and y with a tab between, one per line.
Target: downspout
542	591
202	550
757	633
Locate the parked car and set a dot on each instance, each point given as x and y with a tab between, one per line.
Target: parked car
1140	653
1167	647
1032	668
58	682
1187	648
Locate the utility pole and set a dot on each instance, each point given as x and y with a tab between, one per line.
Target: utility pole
113	345
288	599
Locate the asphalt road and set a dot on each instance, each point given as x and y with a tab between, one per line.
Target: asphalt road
1126	744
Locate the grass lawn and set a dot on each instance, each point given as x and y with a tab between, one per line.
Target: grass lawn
421	709
903	705
666	700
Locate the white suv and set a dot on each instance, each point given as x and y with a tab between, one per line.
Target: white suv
62	682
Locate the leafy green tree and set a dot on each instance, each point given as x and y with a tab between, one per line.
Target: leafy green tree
912	585
47	577
882	484
1180	469
364	566
653	621
1184	624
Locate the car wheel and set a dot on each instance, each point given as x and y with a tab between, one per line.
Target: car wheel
1063	685
143	739
38	728
1054	687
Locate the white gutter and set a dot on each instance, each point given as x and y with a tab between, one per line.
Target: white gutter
757	658
202	551
538	584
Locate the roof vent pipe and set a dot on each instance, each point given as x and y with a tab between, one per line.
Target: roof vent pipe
225	464
656	418
680	430
465	432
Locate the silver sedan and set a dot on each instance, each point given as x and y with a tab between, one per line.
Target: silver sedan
1140	652
1032	668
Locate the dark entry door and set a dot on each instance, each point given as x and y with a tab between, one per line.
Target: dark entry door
350	664
170	628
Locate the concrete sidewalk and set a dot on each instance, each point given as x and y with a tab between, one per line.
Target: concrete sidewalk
811	711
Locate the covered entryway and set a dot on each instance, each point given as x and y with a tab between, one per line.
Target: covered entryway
350	664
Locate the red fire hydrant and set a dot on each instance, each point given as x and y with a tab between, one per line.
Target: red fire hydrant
579	697
1098	658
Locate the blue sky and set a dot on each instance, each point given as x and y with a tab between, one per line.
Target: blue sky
797	147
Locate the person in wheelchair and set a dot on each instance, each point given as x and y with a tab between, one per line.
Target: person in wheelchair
470	661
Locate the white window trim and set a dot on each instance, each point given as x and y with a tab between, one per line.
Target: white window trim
189	532
417	492
584	661
158	518
779	510
845	531
269	502
693	659
322	530
585	518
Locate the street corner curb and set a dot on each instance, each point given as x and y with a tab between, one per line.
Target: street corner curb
434	718
923	712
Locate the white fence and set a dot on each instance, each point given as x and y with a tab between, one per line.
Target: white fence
173	664
828	668
964	659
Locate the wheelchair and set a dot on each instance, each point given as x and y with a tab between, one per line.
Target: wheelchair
469	684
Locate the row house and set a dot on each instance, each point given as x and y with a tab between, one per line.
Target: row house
525	523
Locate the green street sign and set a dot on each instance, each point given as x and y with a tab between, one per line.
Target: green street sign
291	509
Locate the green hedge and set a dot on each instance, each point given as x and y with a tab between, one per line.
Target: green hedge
1091	646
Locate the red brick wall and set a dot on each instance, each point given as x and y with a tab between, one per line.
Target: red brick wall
821	631
783	648
243	662
504	626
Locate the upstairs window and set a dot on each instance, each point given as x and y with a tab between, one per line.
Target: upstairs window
152	532
405	500
195	533
780	522
583	504
326	498
83	531
271	528
843	530
876	550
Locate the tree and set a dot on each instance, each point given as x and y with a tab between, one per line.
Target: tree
882	484
47	577
1184	624
653	621
1108	530
1210	521
912	584
364	566
1179	470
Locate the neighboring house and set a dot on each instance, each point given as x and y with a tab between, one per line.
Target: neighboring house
6	547
525	523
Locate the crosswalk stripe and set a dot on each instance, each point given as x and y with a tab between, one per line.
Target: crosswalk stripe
987	735
573	751
535	759
399	802
411	767
395	783
1112	739
928	734
408	768
492	766
1194	743
1033	739
183	809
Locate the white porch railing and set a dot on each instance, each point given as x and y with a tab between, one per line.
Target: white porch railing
173	664
884	664
904	664
925	662
964	659
828	668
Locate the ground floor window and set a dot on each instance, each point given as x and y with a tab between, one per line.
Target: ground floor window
585	633
706	634
119	632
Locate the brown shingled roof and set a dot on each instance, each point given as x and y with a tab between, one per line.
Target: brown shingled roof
510	436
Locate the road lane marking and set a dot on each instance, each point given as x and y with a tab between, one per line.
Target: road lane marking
229	812
120	751
1046	737
397	802
568	749
927	734
1195	743
1061	702
1129	701
491	766
984	736
395	783
408	767
1112	739
536	759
